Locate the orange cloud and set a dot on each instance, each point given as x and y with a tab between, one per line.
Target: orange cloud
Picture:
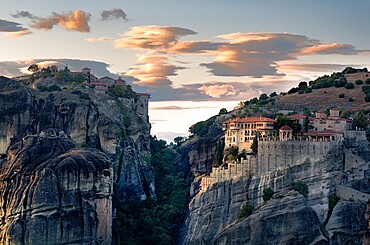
18	33
332	48
73	21
99	39
153	70
152	37
216	91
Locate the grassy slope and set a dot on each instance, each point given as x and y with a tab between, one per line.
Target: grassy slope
318	99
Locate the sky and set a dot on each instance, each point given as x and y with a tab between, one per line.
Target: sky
194	57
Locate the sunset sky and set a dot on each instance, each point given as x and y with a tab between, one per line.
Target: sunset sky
193	57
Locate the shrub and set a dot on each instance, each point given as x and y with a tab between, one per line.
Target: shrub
349	86
246	210
308	90
366	89
300	187
50	88
359	82
341	96
350	99
367	98
267	194
333	200
300	91
84	96
367	81
341	82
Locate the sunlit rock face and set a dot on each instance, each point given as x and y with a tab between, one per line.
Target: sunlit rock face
52	193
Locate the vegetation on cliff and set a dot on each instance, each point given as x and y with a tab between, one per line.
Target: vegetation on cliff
157	220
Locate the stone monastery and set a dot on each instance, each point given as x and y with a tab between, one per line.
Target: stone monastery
280	150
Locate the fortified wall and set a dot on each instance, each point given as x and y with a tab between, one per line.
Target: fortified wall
273	155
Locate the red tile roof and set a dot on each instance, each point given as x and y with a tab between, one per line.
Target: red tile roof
297	116
286	128
323	133
250	120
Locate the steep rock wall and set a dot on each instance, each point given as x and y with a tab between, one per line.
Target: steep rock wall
52	193
215	212
106	123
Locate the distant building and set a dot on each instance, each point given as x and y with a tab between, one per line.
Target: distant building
299	118
332	122
120	82
241	132
285	133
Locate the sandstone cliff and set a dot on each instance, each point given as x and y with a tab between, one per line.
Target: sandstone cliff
52	193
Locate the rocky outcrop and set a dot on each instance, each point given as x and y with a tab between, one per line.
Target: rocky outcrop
107	123
288	218
53	193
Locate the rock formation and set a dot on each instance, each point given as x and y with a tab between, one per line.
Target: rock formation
52	193
63	154
289	217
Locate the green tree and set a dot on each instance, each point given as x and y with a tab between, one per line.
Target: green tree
246	210
349	86
300	187
231	153
267	194
222	111
219	154
178	140
254	145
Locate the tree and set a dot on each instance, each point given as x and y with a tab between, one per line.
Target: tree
305	124
341	96
218	157
246	210
222	111
254	146
34	68
267	194
263	97
231	153
178	140
359	82
349	86
273	94
302	85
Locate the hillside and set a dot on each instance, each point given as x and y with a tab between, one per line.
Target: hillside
324	98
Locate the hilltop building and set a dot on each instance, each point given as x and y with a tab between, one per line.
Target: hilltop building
331	122
241	132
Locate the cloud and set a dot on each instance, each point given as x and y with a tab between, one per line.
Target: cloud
73	21
13	29
172	107
332	48
152	37
24	14
153	70
19	67
99	39
312	67
216	91
114	14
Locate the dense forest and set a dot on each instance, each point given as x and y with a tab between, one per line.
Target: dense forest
157	220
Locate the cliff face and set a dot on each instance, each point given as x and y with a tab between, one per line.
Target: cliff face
109	124
52	193
57	186
289	217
